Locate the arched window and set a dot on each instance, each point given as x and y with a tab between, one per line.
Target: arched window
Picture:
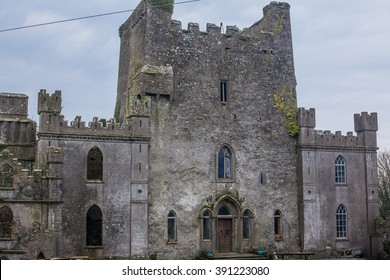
278	224
6	219
94	226
225	163
172	227
206	225
6	176
246	225
341	221
340	176
95	164
224	211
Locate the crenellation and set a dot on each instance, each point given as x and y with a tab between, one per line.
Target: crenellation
213	29
232	30
193	27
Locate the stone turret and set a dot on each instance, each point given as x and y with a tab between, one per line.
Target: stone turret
366	126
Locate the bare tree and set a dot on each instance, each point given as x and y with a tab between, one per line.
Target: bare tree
384	183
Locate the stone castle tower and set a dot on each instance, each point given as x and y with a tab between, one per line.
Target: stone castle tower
204	153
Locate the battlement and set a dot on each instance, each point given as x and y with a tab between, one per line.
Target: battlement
326	139
307	118
55	125
366	122
49	103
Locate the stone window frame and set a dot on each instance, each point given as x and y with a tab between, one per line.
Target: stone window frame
95	167
226	177
340	171
172	227
206	225
278	230
341	222
247	224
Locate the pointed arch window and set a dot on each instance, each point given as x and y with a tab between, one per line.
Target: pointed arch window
6	219
341	222
340	171
225	160
172	238
6	176
206	225
246	225
95	164
278	224
94	226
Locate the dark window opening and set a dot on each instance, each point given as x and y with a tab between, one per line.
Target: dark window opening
224	211
277	224
95	164
224	91
94	226
6	176
172	227
6	220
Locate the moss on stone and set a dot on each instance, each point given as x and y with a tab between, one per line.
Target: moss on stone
166	5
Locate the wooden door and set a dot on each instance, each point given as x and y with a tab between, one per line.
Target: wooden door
225	235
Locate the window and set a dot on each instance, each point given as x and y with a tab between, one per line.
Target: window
224	211
95	164
340	177
246	226
224	91
278	224
6	219
6	176
206	225
225	163
341	222
172	227
94	226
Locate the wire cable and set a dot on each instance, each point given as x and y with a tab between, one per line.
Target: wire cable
87	17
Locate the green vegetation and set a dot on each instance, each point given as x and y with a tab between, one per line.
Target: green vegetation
285	102
384	183
166	5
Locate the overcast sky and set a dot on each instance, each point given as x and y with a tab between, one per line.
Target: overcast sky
341	52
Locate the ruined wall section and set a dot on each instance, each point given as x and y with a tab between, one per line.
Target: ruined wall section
17	132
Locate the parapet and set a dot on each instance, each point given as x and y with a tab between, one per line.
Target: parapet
307	118
49	103
13	105
366	122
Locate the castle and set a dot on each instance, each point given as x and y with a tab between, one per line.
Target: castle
207	151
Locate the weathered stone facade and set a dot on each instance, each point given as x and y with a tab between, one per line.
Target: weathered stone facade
204	155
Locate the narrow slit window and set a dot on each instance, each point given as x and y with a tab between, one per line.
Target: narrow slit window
172	227
224	91
278	224
246	226
206	226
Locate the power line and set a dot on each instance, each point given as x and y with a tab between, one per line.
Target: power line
86	17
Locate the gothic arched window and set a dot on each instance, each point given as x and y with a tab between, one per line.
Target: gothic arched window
94	226
340	170
341	221
246	225
172	227
6	176
225	159
6	219
95	164
206	225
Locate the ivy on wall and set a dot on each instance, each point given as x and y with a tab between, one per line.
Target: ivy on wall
285	102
